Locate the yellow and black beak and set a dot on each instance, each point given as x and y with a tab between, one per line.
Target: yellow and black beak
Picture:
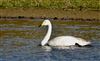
40	25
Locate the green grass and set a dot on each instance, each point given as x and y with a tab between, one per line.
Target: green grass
65	4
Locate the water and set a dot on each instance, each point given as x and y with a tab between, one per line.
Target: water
19	41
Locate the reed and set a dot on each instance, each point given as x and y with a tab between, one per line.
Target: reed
54	4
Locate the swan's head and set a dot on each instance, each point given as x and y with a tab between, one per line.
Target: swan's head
45	23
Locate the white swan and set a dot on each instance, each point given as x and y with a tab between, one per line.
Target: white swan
61	40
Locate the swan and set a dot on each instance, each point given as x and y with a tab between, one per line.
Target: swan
61	40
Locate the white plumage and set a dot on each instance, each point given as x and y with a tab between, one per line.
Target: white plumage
61	40
67	41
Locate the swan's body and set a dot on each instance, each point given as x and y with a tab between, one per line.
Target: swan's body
67	41
61	40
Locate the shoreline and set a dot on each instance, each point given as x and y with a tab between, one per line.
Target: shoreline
54	18
49	13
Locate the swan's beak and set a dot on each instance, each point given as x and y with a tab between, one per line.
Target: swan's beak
40	25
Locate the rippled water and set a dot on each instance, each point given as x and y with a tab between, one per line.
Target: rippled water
19	41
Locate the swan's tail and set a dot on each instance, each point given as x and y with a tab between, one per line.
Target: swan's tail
83	42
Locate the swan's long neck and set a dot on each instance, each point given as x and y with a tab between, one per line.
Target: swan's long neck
47	37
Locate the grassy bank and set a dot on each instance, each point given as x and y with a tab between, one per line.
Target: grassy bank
62	4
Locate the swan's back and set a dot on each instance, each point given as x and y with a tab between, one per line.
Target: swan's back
62	41
67	41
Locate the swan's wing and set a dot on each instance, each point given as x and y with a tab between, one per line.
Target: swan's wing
67	41
63	41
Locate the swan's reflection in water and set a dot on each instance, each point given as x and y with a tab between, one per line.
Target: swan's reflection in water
47	53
